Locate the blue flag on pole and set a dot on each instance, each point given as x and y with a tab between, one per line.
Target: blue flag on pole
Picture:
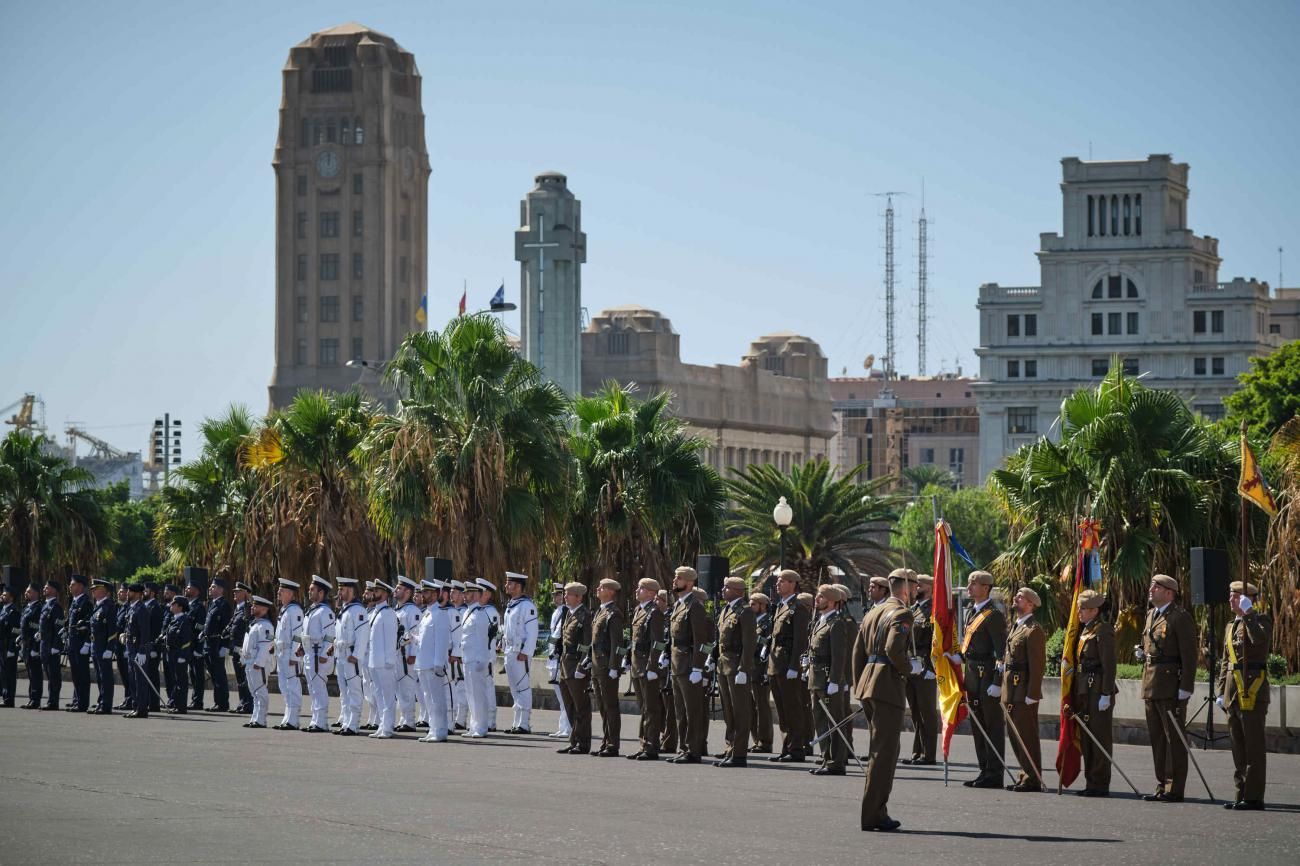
961	551
500	297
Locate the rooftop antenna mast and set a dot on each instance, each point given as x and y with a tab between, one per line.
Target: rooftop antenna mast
890	369
920	286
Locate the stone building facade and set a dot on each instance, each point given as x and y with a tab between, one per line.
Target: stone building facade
773	408
351	209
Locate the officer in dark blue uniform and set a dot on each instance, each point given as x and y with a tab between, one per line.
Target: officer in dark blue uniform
51	624
76	634
10	631
30	648
156	614
160	637
124	666
139	638
103	635
196	584
215	649
179	640
234	637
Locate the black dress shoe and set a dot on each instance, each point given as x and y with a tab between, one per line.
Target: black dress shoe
791	758
313	729
31	705
370	727
827	771
48	709
217	710
922	762
761	750
254	725
196	705
1248	806
776	758
404	729
564	751
1154	798
984	783
732	762
347	732
888	825
336	724
907	760
1025	789
606	753
644	756
634	755
690	759
284	727
72	708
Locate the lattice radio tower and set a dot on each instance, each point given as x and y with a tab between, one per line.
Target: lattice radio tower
920	287
890	369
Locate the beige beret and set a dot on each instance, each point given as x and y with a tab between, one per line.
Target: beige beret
648	583
804	598
576	588
1166	581
981	577
831	591
844	591
925	580
1031	595
663	593
1248	589
1089	599
788	574
610	583
881	582
898	574
700	593
735	583
759	597
686	571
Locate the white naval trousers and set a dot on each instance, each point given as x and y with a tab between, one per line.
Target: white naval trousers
406	689
460	699
318	691
368	693
521	690
562	729
384	683
481	711
290	689
350	694
257	687
433	697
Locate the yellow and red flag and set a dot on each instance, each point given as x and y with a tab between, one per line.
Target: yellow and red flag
944	616
1252	485
1069	749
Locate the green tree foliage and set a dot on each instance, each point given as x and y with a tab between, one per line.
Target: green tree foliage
130	537
975	514
1269	395
924	475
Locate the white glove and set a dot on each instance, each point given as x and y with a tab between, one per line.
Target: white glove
1245	604
1219	701
182	660
832	688
917	666
663	660
108	654
741	678
85	649
153	655
994	691
929	675
222	653
1139	654
1182	695
613	673
791	674
140	658
955	658
651	675
1103	703
1029	702
697	676
578	674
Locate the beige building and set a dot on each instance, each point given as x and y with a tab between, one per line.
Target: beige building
351	208
775	407
1284	317
886	427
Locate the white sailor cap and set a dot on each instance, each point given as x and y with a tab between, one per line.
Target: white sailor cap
346	581
486	584
370	584
403	580
257	599
379	584
434	585
285	583
324	584
456	584
516	577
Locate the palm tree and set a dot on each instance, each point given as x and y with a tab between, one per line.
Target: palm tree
473	464
1279	580
643	500
48	514
923	475
837	522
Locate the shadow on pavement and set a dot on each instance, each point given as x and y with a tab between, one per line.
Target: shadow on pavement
972	835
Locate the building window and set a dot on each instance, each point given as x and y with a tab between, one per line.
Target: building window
356	224
1113	322
1013	368
1113	286
300	352
317	132
956	461
300	267
1198	322
1031	325
1216	321
1132	289
1031	368
329	351
1275	329
927	455
1022	419
329	223
1137	214
1013	326
1096	324
358	266
304	132
618	343
404	228
329	308
1130	366
1198	366
1100	366
1131	322
1114	215
300	184
358	308
301	229
329	266
345	124
1091	222
331	131
300	306
1101	215
357	184
1128	215
358	136
403	269
775	363
1216	366
357	346
403	312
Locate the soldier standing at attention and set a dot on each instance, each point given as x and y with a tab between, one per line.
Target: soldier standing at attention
923	689
195	588
10	631
1094	691
737	638
1024	663
518	644
828	675
51	629
689	633
880	667
138	640
124	666
317	652
761	690
1243	693
215	644
606	661
981	655
553	660
288	630
103	634
179	644
77	643
234	636
647	646
668	741
575	658
257	652
30	640
1168	656
789	643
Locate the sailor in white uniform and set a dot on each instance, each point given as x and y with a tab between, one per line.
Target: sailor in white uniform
408	617
288	665
257	653
383	660
363	644
518	644
562	732
486	590
475	656
317	651
349	630
431	659
459	696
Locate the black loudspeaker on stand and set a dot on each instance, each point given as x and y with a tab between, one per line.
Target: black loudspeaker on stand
15	580
437	568
1209	588
712	571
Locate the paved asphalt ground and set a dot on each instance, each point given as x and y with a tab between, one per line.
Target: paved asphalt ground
201	789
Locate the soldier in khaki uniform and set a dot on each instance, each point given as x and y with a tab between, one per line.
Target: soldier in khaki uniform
647	646
761	691
789	642
981	657
923	689
689	633
880	667
737	636
1024	664
607	652
1168	656
575	666
1243	693
668	741
1093	692
828	676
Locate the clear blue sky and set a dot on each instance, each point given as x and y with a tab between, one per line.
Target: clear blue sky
725	152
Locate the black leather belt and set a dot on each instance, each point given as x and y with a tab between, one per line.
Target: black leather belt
1163	660
983	659
1019	667
1094	668
1249	666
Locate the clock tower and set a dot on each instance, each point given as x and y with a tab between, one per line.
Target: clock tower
351	210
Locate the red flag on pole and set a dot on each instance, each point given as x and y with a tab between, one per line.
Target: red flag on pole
463	295
1069	748
944	616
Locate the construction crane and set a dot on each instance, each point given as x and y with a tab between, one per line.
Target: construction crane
24	419
102	450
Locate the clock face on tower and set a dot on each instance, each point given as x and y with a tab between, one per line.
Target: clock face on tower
327	163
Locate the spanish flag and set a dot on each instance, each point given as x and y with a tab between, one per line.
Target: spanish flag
1252	485
1069	748
944	616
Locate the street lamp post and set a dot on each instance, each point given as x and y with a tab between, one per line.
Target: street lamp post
782	514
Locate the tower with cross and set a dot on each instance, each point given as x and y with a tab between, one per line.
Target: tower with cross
551	248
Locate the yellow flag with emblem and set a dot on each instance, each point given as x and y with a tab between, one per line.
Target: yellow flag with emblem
1252	485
